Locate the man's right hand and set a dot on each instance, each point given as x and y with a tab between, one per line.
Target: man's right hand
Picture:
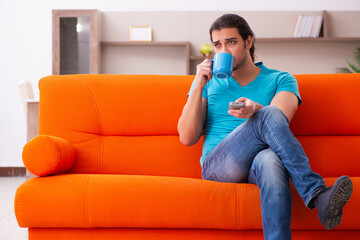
203	73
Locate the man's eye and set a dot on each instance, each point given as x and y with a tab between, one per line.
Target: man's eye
216	45
232	42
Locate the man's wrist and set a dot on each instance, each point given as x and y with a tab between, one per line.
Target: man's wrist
258	107
198	88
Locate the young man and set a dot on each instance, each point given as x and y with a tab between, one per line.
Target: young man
254	144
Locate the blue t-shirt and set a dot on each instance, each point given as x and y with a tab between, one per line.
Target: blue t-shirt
219	92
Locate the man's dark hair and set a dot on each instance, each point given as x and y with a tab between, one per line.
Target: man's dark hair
234	21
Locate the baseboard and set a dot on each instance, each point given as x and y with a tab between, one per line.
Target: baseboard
12	171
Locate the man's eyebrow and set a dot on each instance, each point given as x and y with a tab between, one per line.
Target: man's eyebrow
226	39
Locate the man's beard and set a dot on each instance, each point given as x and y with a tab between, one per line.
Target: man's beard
241	63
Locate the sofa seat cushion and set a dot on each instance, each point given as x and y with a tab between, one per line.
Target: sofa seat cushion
108	201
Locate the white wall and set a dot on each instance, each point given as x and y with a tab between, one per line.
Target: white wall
25	45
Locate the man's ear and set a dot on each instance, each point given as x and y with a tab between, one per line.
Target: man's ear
249	42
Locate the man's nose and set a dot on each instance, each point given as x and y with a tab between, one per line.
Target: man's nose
224	48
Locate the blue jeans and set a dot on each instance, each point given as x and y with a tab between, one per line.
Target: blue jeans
264	151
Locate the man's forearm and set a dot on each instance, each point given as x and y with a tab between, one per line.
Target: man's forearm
191	122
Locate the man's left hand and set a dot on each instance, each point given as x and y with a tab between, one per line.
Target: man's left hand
246	112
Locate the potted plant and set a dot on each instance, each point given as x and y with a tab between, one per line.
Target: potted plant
353	67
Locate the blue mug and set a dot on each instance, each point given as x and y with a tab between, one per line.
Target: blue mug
223	65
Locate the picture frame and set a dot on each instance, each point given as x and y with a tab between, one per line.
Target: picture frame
140	33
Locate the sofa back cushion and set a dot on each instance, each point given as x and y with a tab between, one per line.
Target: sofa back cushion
121	124
327	123
330	105
127	124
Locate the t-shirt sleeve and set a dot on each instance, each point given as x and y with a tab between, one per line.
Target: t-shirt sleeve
204	92
287	82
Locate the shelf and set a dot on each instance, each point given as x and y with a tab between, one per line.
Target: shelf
334	23
320	39
185	44
289	40
124	43
201	57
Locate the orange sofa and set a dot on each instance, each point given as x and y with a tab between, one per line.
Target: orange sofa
111	165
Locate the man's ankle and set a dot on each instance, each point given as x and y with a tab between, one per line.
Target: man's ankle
315	194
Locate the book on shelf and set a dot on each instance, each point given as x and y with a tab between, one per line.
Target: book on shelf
308	26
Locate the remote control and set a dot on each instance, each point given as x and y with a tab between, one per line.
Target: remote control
236	105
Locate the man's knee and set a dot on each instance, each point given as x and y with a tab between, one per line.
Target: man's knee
267	167
270	109
266	160
271	113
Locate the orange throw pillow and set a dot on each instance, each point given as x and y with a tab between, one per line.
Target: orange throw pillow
45	155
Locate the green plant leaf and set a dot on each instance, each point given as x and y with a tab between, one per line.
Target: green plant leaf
353	67
343	70
357	55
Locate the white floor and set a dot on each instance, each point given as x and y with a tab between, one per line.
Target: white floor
9	229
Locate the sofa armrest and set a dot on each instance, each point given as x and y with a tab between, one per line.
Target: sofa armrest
45	155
